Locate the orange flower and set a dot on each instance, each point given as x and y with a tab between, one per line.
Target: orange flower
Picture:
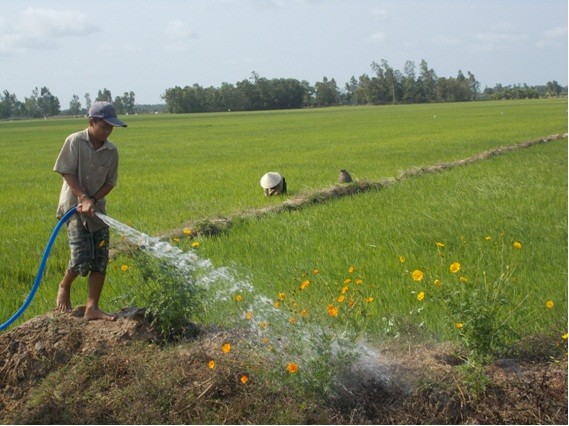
351	269
244	379
304	284
332	311
226	347
211	364
292	367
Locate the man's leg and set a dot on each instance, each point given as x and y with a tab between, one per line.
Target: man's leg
63	301
92	311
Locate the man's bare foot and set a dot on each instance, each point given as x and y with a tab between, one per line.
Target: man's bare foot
92	314
63	301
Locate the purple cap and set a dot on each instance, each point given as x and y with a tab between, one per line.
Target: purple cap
106	111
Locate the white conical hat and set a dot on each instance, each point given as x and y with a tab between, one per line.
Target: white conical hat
270	180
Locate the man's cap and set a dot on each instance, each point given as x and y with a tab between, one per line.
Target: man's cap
106	111
270	180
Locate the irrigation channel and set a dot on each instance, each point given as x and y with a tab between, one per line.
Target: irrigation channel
350	361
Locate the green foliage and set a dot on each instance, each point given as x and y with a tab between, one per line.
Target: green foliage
169	294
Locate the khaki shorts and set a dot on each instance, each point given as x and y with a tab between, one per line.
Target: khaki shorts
89	251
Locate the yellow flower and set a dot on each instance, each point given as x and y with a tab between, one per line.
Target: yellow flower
421	296
292	367
351	269
345	289
440	245
359	281
517	245
264	325
332	311
211	364
226	348
549	304
196	244
438	283
304	313
458	325
249	315
455	267
187	231
176	239
369	299
402	259
347	281
417	275
304	284
244	379
238	298
564	336
124	267
315	271
292	320
487	237
265	340
341	298
277	304
281	296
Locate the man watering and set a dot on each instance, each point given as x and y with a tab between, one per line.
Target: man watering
88	163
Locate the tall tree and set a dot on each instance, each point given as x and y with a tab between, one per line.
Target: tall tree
104	95
75	105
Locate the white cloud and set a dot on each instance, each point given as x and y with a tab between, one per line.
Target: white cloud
380	13
559	32
178	34
38	28
377	37
446	41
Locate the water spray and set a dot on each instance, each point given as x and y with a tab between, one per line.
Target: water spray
41	269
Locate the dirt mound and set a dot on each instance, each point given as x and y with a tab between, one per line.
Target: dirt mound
58	368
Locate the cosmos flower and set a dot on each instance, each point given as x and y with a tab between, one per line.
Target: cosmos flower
292	367
238	298
549	304
211	364
187	231
455	267
351	269
226	348
244	379
124	267
332	311
517	245
421	296
304	284
196	244
458	325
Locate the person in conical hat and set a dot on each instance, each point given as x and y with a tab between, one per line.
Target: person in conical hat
273	183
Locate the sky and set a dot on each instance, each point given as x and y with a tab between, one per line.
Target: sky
74	47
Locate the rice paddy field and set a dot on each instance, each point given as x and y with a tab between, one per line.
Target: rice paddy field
484	244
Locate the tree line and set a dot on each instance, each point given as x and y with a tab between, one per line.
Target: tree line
384	85
42	104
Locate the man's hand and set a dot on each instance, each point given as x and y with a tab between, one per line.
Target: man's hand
86	207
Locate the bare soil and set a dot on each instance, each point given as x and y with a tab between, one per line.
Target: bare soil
62	369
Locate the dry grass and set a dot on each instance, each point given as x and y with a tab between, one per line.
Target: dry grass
64	370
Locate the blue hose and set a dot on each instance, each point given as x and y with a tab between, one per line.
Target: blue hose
39	276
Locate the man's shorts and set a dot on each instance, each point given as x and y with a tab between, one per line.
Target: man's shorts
89	251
